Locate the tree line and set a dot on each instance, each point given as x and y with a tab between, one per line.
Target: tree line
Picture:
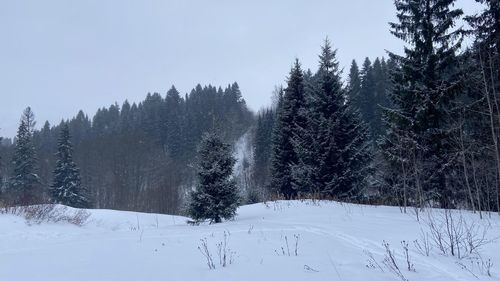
132	157
417	129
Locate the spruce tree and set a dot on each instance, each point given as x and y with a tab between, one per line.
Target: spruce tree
263	146
332	147
66	188
367	96
380	98
289	119
418	137
354	86
216	195
25	180
173	123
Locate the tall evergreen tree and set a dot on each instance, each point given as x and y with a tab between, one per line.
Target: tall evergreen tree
174	142
380	98
418	137
289	119
216	195
332	146
66	187
25	181
263	146
354	83
153	116
45	147
366	102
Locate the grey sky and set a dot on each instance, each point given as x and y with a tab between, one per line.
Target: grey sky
62	56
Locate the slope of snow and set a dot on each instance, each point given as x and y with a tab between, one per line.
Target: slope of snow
332	245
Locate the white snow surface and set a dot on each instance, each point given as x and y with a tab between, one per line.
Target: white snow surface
333	241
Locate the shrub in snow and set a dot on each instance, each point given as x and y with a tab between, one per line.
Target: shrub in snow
454	235
224	253
423	245
390	262
476	264
37	214
285	249
203	248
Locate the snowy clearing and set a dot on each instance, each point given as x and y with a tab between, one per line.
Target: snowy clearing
326	241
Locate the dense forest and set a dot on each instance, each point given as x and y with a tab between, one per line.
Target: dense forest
415	129
138	156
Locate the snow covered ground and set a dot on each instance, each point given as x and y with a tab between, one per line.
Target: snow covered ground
334	243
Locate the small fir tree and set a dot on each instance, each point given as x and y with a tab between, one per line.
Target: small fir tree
216	196
66	187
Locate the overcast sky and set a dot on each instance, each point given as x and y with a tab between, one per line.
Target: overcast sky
62	56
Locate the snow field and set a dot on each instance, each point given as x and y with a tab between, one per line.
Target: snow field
334	242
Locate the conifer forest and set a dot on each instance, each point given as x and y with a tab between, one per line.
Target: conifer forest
412	129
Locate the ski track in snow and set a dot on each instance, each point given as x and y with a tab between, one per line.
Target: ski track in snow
126	246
